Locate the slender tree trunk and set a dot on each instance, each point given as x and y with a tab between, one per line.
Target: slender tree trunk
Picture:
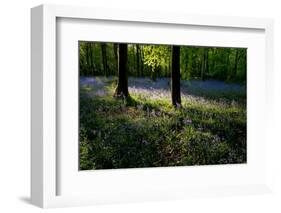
92	65
115	53
203	65
134	63
235	64
141	63
122	87
186	64
176	96
228	69
138	60
88	58
153	74
104	59
189	64
245	65
207	62
214	54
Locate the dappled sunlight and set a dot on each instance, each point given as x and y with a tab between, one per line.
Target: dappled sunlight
146	132
210	93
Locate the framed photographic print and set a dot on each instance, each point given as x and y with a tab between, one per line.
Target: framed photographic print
130	106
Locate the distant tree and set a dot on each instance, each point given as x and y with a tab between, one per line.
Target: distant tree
235	63
138	60
176	96
104	58
115	53
189	65
233	75
244	76
122	87
205	64
88	57
141	61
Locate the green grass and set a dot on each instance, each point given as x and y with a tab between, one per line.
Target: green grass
142	132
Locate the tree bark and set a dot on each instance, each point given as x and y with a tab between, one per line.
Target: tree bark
176	96
104	59
92	65
88	59
205	65
122	87
189	65
207	62
235	64
138	60
141	62
228	69
115	51
245	65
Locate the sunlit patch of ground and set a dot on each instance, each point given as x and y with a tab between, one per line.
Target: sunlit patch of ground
194	91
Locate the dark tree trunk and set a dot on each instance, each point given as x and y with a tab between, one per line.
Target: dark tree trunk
185	64
245	65
190	64
92	65
115	51
122	87
228	70
153	74
138	60
88	59
141	62
235	64
176	96
134	62
205	64
104	59
213	67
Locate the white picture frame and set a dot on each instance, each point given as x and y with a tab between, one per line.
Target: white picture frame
45	165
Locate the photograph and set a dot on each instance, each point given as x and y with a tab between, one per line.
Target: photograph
160	105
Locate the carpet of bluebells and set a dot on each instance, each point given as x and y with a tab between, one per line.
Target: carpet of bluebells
145	130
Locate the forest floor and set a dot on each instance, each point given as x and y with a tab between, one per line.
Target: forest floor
147	131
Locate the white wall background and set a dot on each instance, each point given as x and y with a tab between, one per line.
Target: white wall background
15	104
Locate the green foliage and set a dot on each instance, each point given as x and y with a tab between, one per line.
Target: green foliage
227	64
156	56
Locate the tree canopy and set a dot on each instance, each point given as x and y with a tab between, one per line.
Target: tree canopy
227	64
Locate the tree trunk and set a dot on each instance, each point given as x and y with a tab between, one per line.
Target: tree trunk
203	65
207	62
88	59
176	96
214	55
189	64
115	51
104	59
138	60
153	74
141	63
228	70
235	64
245	65
92	65
122	87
